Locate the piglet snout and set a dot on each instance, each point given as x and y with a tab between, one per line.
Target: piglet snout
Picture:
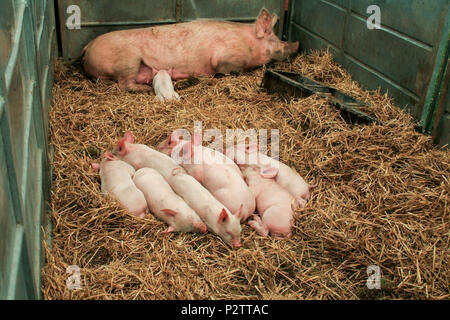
236	243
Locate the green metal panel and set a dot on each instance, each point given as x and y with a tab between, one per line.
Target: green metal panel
227	10
441	125
399	57
26	58
98	17
437	84
8	226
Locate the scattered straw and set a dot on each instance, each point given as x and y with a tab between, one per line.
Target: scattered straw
383	197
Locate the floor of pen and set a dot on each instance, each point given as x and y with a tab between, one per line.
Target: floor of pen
382	199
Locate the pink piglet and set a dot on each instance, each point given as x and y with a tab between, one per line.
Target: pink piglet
116	179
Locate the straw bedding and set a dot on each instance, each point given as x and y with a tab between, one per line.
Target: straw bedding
383	196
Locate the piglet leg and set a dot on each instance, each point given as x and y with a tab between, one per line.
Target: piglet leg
259	226
168	230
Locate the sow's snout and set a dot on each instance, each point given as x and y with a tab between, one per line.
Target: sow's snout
281	50
291	47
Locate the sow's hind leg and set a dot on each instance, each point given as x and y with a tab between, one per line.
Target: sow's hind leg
130	76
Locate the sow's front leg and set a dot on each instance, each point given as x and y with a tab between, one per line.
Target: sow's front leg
227	61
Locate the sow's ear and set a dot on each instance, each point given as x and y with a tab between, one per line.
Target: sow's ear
263	24
274	20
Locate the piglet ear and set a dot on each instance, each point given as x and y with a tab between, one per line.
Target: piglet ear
188	150
163	144
170	212
169	141
172	139
121	147
238	213
95	166
269	172
129	137
176	136
110	156
251	148
222	217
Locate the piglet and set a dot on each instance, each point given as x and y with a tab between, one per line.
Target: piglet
165	203
116	179
275	205
215	171
162	84
217	218
271	168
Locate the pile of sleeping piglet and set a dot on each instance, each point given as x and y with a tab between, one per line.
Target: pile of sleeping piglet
221	190
216	192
